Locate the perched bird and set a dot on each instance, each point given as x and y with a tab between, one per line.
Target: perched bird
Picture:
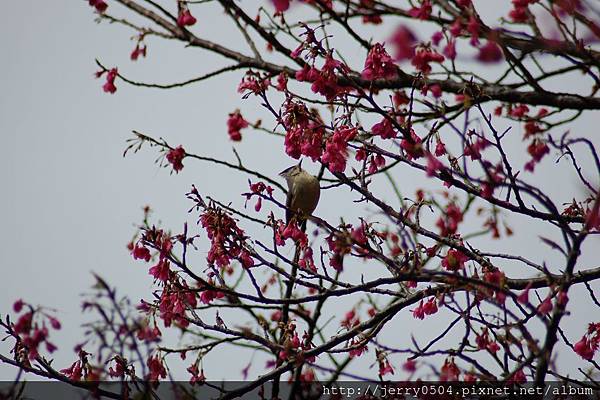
303	194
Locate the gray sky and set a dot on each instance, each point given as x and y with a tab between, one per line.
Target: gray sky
71	200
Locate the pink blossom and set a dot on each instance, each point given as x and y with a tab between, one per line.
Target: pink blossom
185	18
449	371
424	57
100	5
523	298
454	260
141	253
384	129
109	86
545	306
336	148
490	52
281	5
161	270
378	64
419	312
18	305
433	165
584	348
450	49
403	40
422	12
175	157
235	123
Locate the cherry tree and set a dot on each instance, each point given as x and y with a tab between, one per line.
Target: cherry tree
454	135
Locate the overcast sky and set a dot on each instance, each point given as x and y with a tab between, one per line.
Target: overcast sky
70	200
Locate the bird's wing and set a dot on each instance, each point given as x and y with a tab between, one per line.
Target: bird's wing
288	203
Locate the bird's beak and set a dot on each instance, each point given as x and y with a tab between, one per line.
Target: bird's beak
300	163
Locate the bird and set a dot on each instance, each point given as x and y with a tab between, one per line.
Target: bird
303	194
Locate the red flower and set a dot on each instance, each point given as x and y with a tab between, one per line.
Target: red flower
235	123
384	129
449	371
281	82
281	5
433	165
161	270
418	312
385	368
409	366
73	372
454	260
138	51
109	86
523	298
518	377
545	306
336	148
422	12
378	64
430	307
100	5
440	149
584	348
304	131
490	53
519	111
413	147
185	18
175	158
54	323
424	57
404	41
197	376
141	253
156	369
18	305
450	49
253	83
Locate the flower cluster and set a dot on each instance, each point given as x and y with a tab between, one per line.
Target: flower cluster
175	298
384	128
235	123
403	40
483	342
379	64
340	244
589	343
454	260
537	149
304	131
160	241
111	75
413	146
82	369
428	308
324	81
253	83
175	157
449	220
256	189
227	240
32	332
336	148
424	57
520	12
